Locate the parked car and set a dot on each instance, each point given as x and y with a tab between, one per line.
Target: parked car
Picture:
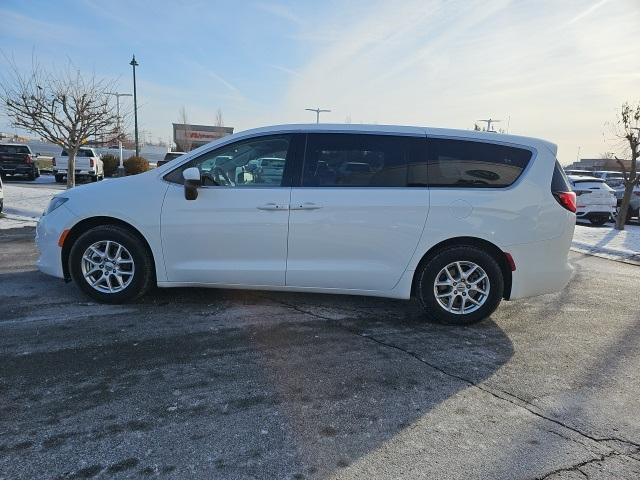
87	165
1	195
18	159
168	157
634	202
459	219
612	178
269	170
596	201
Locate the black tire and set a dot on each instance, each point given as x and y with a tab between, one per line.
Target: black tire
31	176
94	178
143	277
426	277
37	172
598	221
59	178
1	204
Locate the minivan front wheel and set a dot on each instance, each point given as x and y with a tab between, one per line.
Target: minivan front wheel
460	285
110	264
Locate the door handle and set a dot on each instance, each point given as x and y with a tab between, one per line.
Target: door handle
273	206
306	206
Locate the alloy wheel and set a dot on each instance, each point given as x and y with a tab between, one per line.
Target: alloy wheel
461	287
107	266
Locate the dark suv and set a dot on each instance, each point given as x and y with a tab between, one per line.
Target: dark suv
17	159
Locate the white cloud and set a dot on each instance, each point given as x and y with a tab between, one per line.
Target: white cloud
588	11
446	63
280	11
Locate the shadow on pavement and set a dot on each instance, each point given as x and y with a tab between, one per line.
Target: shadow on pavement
214	383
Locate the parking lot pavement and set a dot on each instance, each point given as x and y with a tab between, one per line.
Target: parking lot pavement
230	384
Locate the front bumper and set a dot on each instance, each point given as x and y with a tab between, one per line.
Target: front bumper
48	232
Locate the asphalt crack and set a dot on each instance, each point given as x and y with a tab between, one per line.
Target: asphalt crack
632	447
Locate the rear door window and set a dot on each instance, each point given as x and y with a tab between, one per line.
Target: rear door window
355	160
469	164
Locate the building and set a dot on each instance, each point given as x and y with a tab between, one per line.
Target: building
593	164
187	137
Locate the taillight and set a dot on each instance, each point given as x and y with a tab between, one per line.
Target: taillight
27	159
91	162
567	200
53	161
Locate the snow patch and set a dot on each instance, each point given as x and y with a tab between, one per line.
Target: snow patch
607	242
24	204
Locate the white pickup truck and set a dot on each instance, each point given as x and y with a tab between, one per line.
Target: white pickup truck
88	164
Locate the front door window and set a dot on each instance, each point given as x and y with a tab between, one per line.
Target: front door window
255	162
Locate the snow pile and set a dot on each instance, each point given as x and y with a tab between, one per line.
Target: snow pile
608	242
24	203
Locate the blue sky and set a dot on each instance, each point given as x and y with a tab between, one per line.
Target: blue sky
558	70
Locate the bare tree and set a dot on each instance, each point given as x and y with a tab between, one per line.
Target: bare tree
627	129
184	120
62	108
219	119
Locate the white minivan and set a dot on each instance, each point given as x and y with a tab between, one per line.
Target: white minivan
458	219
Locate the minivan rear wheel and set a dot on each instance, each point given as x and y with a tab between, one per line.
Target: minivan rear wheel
110	264
460	285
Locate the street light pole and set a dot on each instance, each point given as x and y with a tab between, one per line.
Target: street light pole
118	95
134	64
318	112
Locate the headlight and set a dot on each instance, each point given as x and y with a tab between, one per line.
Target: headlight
55	203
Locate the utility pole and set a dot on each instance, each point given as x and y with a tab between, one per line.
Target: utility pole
318	112
489	121
134	64
118	95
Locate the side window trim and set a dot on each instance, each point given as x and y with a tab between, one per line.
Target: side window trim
523	174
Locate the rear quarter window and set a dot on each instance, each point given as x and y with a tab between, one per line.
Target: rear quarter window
559	181
470	164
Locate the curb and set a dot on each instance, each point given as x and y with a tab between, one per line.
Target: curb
608	253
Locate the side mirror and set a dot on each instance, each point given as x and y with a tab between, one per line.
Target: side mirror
191	182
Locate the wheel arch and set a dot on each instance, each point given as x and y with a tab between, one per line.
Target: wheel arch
87	224
496	252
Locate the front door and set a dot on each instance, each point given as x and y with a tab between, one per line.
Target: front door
235	232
